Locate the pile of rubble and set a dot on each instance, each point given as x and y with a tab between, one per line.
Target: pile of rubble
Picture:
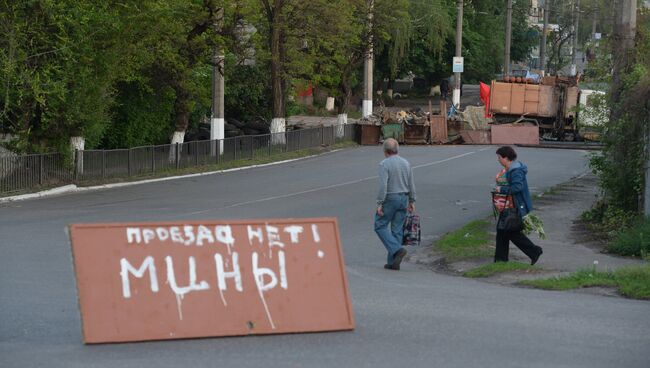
384	116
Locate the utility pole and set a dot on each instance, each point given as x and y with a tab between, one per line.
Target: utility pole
623	48
506	58
576	27
217	121
646	196
542	47
368	65
459	51
594	23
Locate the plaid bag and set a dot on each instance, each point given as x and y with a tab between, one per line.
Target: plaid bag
411	230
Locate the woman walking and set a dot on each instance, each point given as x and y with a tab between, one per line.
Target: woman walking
512	192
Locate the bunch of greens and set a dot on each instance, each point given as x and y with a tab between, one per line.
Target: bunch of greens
532	223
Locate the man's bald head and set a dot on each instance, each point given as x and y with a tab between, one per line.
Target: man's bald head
391	146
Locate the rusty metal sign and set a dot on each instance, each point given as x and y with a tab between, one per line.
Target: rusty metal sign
155	281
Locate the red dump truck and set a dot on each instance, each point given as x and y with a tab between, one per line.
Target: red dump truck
551	104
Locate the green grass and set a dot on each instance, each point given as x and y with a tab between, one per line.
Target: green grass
498	267
634	241
260	157
632	282
470	241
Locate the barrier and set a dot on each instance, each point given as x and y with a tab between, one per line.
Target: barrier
155	281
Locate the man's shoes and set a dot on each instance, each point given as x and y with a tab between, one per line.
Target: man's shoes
534	259
390	267
397	258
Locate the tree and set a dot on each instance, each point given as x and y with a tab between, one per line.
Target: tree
59	62
417	41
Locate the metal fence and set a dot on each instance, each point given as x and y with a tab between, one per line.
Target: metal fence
39	171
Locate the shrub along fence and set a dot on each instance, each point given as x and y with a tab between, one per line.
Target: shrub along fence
33	172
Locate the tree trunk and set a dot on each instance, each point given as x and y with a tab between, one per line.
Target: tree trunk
182	114
389	89
78	143
277	65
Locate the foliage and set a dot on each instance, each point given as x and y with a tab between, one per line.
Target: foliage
470	241
632	282
492	269
620	165
534	224
139	116
609	219
635	241
417	42
58	61
128	72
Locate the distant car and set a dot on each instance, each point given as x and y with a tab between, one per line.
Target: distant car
519	73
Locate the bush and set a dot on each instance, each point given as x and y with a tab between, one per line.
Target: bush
609	220
634	241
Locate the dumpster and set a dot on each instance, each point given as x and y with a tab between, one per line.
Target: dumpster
369	134
416	134
395	131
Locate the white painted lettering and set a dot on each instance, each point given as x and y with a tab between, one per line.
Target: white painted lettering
272	233
163	234
204	234
314	232
126	268
189	234
294	230
223	234
175	233
192	286
148	235
283	271
133	235
255	233
222	275
260	272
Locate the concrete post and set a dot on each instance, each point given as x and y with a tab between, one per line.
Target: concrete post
542	47
368	66
506	57
576	27
217	120
459	51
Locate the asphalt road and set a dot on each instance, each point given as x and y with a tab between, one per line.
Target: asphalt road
408	318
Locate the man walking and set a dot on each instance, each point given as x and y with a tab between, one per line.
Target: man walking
396	196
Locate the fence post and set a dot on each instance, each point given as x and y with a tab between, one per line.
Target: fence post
217	150
196	153
153	159
269	144
252	151
40	169
128	161
76	164
178	156
103	164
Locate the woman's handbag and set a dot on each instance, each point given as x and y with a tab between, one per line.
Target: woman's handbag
509	220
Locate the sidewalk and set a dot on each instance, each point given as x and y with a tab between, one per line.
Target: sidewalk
567	248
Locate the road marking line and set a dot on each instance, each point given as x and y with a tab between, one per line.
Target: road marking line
327	187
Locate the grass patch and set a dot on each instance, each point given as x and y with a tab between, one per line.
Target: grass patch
634	241
498	267
470	241
260	157
632	282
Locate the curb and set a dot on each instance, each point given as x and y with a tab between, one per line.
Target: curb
72	188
